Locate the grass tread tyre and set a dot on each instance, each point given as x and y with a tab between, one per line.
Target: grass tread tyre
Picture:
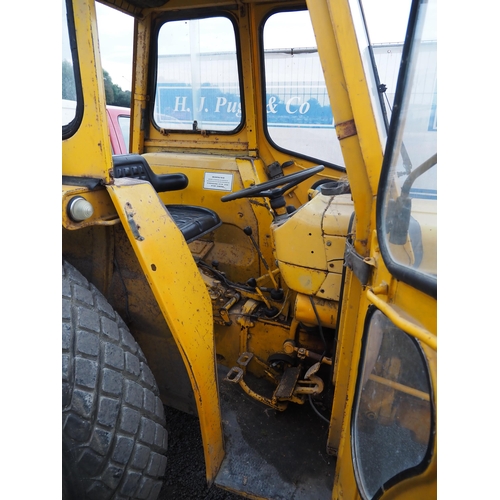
113	423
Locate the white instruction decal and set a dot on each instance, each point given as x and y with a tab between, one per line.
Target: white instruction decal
218	182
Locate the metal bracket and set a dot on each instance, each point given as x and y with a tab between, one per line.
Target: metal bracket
245	358
345	129
234	375
357	264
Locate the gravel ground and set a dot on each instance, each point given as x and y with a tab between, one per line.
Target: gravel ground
185	474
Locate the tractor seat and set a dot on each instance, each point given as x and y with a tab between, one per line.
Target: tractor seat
193	221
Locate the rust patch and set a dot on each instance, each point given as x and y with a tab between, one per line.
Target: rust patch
346	129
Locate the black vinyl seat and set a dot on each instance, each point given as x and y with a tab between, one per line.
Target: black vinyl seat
193	221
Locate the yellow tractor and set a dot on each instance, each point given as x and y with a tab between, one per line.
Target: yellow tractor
263	258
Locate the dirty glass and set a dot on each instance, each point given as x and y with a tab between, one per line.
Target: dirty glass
392	413
408	214
124	122
197	81
368	61
298	111
386	37
68	75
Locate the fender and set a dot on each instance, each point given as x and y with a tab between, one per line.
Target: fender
171	272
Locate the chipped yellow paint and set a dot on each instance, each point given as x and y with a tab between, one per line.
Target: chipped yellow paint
87	153
169	267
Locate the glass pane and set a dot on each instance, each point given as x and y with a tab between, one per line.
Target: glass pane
124	122
367	61
116	37
410	199
68	74
387	59
392	414
197	85
299	115
387	34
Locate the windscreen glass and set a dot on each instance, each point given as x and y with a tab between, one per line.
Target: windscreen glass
409	179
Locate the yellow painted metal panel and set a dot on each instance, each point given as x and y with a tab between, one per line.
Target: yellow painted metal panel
299	240
182	296
301	279
88	152
351	304
142	34
330	288
338	215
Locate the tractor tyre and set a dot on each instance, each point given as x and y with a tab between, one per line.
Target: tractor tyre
113	424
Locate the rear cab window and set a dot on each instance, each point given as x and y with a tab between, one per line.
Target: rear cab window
197	76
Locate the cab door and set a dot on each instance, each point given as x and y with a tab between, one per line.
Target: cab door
387	351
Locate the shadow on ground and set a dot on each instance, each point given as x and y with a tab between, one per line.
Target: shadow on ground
185	474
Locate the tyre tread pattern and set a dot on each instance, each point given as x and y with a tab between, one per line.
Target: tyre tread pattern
113	422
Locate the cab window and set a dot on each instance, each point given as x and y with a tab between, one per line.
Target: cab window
298	112
71	92
392	418
197	78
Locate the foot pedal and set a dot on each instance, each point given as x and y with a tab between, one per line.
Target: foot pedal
245	358
287	383
234	375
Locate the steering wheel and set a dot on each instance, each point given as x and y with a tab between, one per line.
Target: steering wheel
270	189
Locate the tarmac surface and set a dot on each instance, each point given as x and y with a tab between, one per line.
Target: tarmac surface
185	474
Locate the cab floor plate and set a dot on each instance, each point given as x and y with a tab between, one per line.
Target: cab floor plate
271	454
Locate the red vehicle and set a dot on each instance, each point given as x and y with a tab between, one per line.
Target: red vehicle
118	121
119	128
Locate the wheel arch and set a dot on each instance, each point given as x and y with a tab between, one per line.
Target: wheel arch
103	255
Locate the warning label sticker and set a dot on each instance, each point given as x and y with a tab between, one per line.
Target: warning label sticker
218	182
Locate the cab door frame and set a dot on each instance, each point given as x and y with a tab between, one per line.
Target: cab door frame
410	305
